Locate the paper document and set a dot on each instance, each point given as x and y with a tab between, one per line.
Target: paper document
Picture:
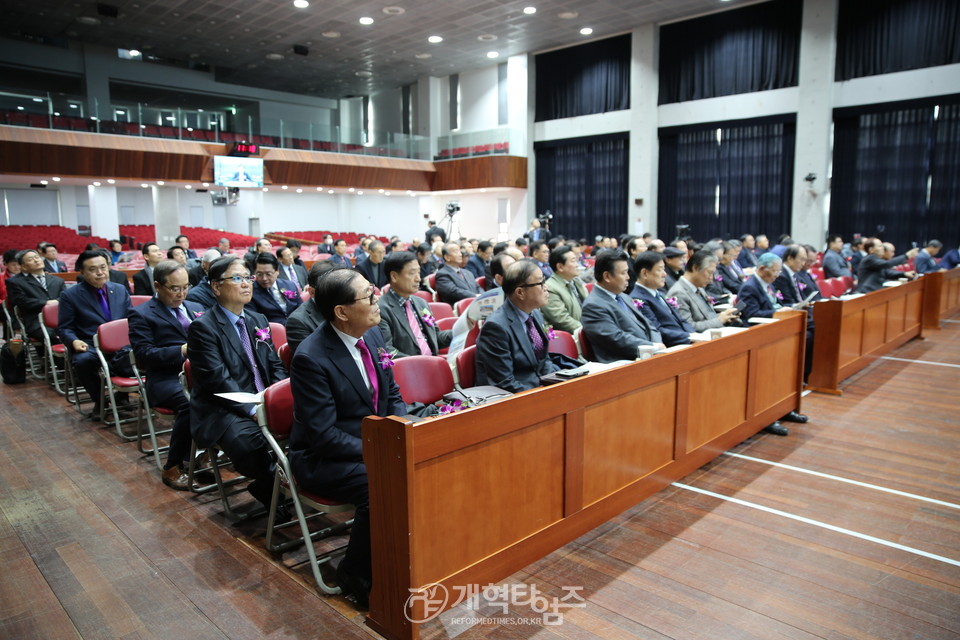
481	307
242	397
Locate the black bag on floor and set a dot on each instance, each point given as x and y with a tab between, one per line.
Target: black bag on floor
13	363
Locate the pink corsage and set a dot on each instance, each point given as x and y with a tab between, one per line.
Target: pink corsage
263	335
711	300
813	275
551	334
291	294
718	278
453	407
801	286
428	318
778	296
672	301
638	304
386	358
197	314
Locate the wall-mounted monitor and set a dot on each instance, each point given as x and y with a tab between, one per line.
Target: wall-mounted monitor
230	171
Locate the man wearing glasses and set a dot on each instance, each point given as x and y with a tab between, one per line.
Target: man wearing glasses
230	350
158	335
512	348
273	296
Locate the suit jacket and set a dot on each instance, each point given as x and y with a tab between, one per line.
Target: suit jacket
693	307
563	309
143	283
263	302
299	272
855	261
811	285
453	287
301	323
396	329
950	260
323	247
753	300
80	312
48	266
672	277
220	365
120	277
615	332
538	234
747	258
26	293
202	294
673	329
790	289
196	275
156	337
435	231
476	266
505	356
729	279
924	262
342	261
374	273
834	265
330	402
875	270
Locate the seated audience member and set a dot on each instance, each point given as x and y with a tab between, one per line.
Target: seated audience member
83	308
183	242
202	293
50	262
783	242
874	269
158	335
143	280
306	317
692	302
295	246
360	253
674	260
230	350
273	296
567	293
31	290
834	264
950	260
925	262
715	287
540	253
477	264
289	270
406	323
759	298
763	245
10	268
857	254
499	265
651	275
262	245
747	259
339	256
327	245
793	290
427	264
727	269
372	267
116	251
453	283
807	278
614	325
223	246
512	348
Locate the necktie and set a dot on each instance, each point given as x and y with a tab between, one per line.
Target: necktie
576	292
248	349
292	277
43	281
104	304
183	319
371	372
275	290
417	331
535	338
796	284
54	267
622	303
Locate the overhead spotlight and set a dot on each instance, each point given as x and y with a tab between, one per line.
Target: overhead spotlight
493	54
96	184
265	189
144	185
188	187
110	180
134	53
44	182
301	4
435	39
284	187
160	182
330	191
56	179
586	31
366	20
299	190
529	10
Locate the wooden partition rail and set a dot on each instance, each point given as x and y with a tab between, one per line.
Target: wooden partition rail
941	297
469	498
853	333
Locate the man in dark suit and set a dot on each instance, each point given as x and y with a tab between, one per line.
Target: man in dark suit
834	264
230	350
498	268
540	252
428	265
477	264
143	281
263	245
536	233
758	298
727	269
512	348
306	318
372	267
615	326
747	258
273	296
405	320
794	290
925	262
453	283
30	291
651	276
874	270
690	298
290	270
83	308
327	245
50	262
337	380
674	261
158	335
183	242
434	231
339	256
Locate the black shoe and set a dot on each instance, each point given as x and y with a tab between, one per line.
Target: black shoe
354	586
793	416
777	429
262	491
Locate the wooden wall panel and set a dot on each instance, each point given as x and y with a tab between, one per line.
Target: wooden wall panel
480	173
718	400
90	162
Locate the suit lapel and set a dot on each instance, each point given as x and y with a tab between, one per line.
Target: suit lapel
230	332
520	329
344	361
167	314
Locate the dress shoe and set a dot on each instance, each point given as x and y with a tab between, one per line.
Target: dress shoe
176	478
793	416
354	586
777	429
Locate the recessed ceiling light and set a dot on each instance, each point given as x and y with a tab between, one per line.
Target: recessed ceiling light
529	10
19	108
56	113
568	15
359	193
134	53
96	184
299	190
274	56
419	56
160	182
110	181
206	184
301	4
487	37
44	182
319	188
386	193
284	187
88	20
366	20
586	31
331	34
394	11
330	191
38	99
56	179
493	54
351	189
435	39
144	185
265	189
379	190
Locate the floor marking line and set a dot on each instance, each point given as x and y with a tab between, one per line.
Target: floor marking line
847	480
936	364
823	525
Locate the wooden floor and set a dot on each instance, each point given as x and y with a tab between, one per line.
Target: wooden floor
93	546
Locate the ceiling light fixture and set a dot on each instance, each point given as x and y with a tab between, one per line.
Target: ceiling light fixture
586	31
330	191
56	179
394	11
366	20
435	39
160	182
44	182
96	184
88	20
299	190
134	53
529	10
331	34
301	4
265	189
284	187
493	54
274	56
144	185
487	37
419	56
568	15
110	180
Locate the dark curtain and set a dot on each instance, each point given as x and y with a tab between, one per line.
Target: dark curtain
688	182
884	36
751	49
943	212
589	78
583	184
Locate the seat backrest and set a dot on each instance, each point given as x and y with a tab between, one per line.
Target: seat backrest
472	336
139	300
584	343
424	295
588	286
278	334
462	305
286	355
482	283
847	281
51	316
466	363
186	377
278	408
432	281
113	336
826	288
444	324
423	379
563	342
441	310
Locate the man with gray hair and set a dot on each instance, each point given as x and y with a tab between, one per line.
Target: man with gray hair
372	268
924	262
692	302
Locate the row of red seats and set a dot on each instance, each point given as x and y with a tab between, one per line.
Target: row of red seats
67	240
476	150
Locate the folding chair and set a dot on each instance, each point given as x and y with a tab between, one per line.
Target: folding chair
586	351
423	379
441	310
35	364
461	306
49	319
286	355
424	295
278	334
466	367
152	432
275	416
111	337
564	343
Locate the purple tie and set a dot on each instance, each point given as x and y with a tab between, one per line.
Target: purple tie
415	328
183	319
371	372
248	348
535	338
104	304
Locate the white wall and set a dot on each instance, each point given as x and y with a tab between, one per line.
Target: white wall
479	99
478	216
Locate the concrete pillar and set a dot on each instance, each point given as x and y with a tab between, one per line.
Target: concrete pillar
104	212
166	214
644	145
814	117
428	113
96	82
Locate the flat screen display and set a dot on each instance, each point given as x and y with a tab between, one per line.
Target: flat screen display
230	171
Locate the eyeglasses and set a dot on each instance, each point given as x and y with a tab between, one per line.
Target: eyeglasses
372	298
176	290
542	283
238	279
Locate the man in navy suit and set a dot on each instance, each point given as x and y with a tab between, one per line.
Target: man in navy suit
183	242
306	318
83	309
747	258
651	276
453	283
230	350
512	348
478	262
925	262
158	335
338	377
794	290
273	296
615	326
327	245
339	256
143	281
50	262
30	291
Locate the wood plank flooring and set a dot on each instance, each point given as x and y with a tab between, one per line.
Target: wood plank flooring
94	546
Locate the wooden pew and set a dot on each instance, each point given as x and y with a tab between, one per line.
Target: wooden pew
469	498
853	333
941	297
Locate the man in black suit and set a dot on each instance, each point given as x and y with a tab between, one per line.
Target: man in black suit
874	270
794	290
183	242
427	263
262	245
202	293
337	379
30	291
434	232
158	335
143	281
306	318
83	308
405	320
50	262
339	256
651	276
477	264
230	350
327	245
372	267
747	258
198	273
273	296
674	261
290	270
453	283
727	268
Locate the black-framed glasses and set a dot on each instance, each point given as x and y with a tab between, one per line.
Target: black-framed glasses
238	279
372	298
176	290
542	283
